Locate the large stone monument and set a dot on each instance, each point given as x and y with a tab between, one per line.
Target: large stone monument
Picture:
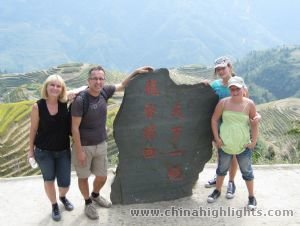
164	138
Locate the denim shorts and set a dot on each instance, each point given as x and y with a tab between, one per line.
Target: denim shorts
55	164
244	159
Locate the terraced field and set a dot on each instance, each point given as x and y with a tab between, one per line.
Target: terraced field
18	87
192	74
278	118
14	143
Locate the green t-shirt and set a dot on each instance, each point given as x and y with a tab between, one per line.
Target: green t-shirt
221	90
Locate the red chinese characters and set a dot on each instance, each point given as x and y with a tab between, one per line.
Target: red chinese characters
176	152
176	131
149	132
175	173
177	111
149	110
149	153
151	88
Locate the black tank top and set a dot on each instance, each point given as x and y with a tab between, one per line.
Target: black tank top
53	130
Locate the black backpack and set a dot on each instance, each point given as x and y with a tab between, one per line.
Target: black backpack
85	105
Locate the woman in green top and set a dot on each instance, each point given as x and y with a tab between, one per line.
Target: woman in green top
234	136
224	70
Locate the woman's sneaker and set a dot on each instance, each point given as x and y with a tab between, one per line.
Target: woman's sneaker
211	183
230	190
67	204
213	196
55	212
252	203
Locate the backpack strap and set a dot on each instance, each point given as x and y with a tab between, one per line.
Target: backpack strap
85	106
85	102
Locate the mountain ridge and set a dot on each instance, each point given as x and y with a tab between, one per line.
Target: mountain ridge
123	35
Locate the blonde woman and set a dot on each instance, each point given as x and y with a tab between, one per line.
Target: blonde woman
49	141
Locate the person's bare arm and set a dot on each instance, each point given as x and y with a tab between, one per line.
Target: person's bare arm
121	86
206	82
256	119
34	123
74	92
80	154
254	126
214	123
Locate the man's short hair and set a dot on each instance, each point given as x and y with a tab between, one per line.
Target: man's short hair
97	68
